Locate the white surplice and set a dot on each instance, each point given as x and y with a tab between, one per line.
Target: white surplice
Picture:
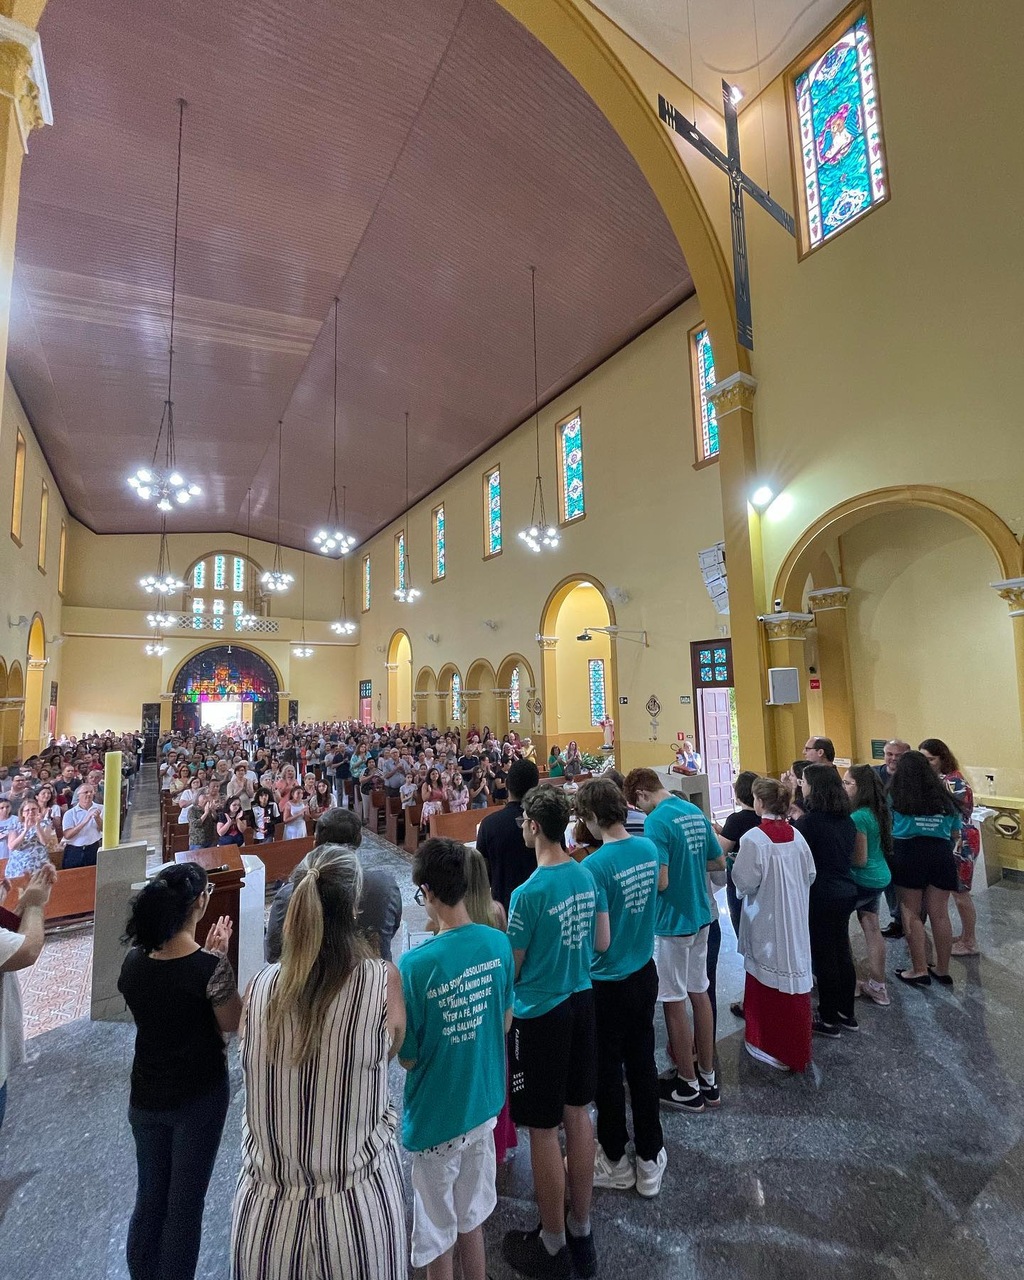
774	881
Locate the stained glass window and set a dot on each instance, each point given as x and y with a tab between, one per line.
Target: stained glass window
713	665
456	696
198	604
199	575
218	573
217	624
598	701
221	673
366	688
570	469
238	581
492	512
400	573
218	606
839	123
439	557
703	365
237	607
366	583
514	712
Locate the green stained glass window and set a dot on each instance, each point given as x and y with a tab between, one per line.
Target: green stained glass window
218	572
841	151
439	550
198	604
514	711
598	699
493	511
570	468
199	575
366	583
218	606
238	578
366	688
400	569
456	696
704	371
237	606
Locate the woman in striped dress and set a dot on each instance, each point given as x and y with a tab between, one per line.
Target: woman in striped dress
320	1188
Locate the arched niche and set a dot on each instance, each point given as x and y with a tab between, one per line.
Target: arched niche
424	696
574	671
515	676
35	685
450	702
225	673
481	697
399	666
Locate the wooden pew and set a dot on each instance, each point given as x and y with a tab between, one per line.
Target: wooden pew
413	818
394	825
378	810
280	857
74	894
461	826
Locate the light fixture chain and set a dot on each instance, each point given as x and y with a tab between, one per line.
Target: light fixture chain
174	284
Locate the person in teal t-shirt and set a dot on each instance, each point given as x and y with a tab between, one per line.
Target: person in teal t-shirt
625	871
458	1001
554	928
870	868
687	851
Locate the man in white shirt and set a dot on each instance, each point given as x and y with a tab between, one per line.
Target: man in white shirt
82	829
19	949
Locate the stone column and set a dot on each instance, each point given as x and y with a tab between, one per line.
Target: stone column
546	718
787	633
1012	591
733	399
828	606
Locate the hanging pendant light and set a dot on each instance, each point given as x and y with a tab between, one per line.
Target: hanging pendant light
164	483
276	579
344	626
332	537
163	582
539	533
303	650
161	621
247	620
156	648
406	592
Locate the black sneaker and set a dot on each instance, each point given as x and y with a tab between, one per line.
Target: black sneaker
678	1095
525	1252
710	1094
892	930
828	1029
582	1252
850	1024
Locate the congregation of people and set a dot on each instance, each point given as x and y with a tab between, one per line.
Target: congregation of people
530	1001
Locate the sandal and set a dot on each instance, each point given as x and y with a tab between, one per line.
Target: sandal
736	1009
922	980
943	978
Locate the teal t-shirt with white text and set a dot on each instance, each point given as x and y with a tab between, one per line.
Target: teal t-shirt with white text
686	843
875	874
458	989
551	917
626	875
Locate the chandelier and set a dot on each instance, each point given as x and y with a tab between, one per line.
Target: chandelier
406	593
163	582
276	579
331	537
161	620
165	484
539	533
344	626
303	650
156	648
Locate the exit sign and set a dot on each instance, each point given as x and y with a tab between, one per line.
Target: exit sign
814	683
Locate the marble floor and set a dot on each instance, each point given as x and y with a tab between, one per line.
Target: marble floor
897	1157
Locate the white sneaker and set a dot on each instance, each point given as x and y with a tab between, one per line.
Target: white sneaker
613	1177
649	1174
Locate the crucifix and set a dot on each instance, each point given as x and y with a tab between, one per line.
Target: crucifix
738	182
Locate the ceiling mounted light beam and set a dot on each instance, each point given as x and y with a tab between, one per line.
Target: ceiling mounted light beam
276	579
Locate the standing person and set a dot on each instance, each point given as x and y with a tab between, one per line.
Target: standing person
625	870
184	1002
30	841
819	751
773	872
926	824
731	831
831	835
500	837
944	762
294	813
556	764
20	948
264	815
458	1002
886	771
687	851
870	869
83	830
242	785
202	819
554	929
231	823
320	1187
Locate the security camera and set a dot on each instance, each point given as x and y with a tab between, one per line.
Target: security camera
584	635
778	606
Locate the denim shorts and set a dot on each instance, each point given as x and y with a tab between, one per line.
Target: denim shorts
867	901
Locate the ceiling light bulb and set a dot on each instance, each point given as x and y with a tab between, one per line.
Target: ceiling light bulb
735	94
761	497
344	628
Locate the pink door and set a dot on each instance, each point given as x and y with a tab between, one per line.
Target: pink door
716	747
366	710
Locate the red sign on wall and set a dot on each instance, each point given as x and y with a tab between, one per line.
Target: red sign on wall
814	683
680	737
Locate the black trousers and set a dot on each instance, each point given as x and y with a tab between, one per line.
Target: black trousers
832	958
625	1042
175	1151
714	947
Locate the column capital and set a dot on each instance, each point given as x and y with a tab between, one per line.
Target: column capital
1012	591
732	393
828	598
787	626
420	696
471	695
547	642
23	77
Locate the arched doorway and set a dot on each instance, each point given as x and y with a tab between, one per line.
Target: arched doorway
481	697
400	709
450	702
424	697
35	683
580	675
224	685
13	709
517	689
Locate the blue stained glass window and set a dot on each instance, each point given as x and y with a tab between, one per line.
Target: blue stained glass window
456	696
720	655
841	150
199	575
198	604
439	558
704	370
238	580
514	712
400	561
722	675
598	702
494	512
218	573
704	655
366	583
705	674
366	688
218	624
218	606
570	440
237	607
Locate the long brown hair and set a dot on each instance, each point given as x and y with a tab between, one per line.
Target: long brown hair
321	947
870	794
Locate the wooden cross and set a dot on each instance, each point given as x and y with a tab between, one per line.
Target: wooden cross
738	182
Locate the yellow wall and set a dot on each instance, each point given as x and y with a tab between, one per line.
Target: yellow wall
583	607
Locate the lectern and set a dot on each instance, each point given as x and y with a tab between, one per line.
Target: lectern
224	867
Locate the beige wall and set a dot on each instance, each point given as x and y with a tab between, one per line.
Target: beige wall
583	607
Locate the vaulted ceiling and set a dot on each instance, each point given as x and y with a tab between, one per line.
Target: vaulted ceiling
412	158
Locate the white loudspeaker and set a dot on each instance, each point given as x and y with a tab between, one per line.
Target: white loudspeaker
783	686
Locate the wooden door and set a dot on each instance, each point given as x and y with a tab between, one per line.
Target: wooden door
716	748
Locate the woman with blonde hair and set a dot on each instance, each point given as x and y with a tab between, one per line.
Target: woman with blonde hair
320	1187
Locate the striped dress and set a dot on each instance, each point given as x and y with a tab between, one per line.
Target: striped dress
320	1188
